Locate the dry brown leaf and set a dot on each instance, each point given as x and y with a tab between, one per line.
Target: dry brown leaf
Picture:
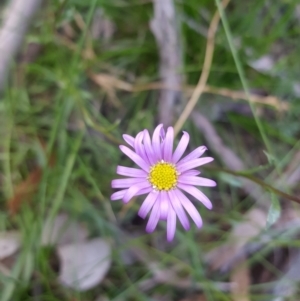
84	265
25	190
240	277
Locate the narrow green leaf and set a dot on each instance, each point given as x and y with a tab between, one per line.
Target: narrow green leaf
270	157
274	211
231	180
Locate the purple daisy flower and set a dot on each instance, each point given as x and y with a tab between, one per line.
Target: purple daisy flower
164	176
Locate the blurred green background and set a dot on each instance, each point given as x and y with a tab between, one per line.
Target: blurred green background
88	72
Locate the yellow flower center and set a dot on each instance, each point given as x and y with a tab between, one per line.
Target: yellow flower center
163	176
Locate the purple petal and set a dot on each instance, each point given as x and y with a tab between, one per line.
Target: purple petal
198	181
192	172
199	195
148	147
129	139
125	183
135	157
176	204
156	144
118	195
190	208
137	142
139	147
164	205
171	224
181	147
133	190
144	191
131	172
181	167
198	152
148	203
168	145
162	134
154	217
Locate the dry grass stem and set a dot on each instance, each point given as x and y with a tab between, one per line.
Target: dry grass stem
116	83
205	71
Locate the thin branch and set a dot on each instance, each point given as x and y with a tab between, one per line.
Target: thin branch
259	182
205	71
165	29
16	22
116	83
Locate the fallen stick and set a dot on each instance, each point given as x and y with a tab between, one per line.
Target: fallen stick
164	26
17	18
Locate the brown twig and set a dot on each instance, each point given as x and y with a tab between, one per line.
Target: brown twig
116	83
260	183
205	71
235	95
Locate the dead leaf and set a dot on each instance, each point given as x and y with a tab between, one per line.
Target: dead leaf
62	231
9	243
24	190
84	265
